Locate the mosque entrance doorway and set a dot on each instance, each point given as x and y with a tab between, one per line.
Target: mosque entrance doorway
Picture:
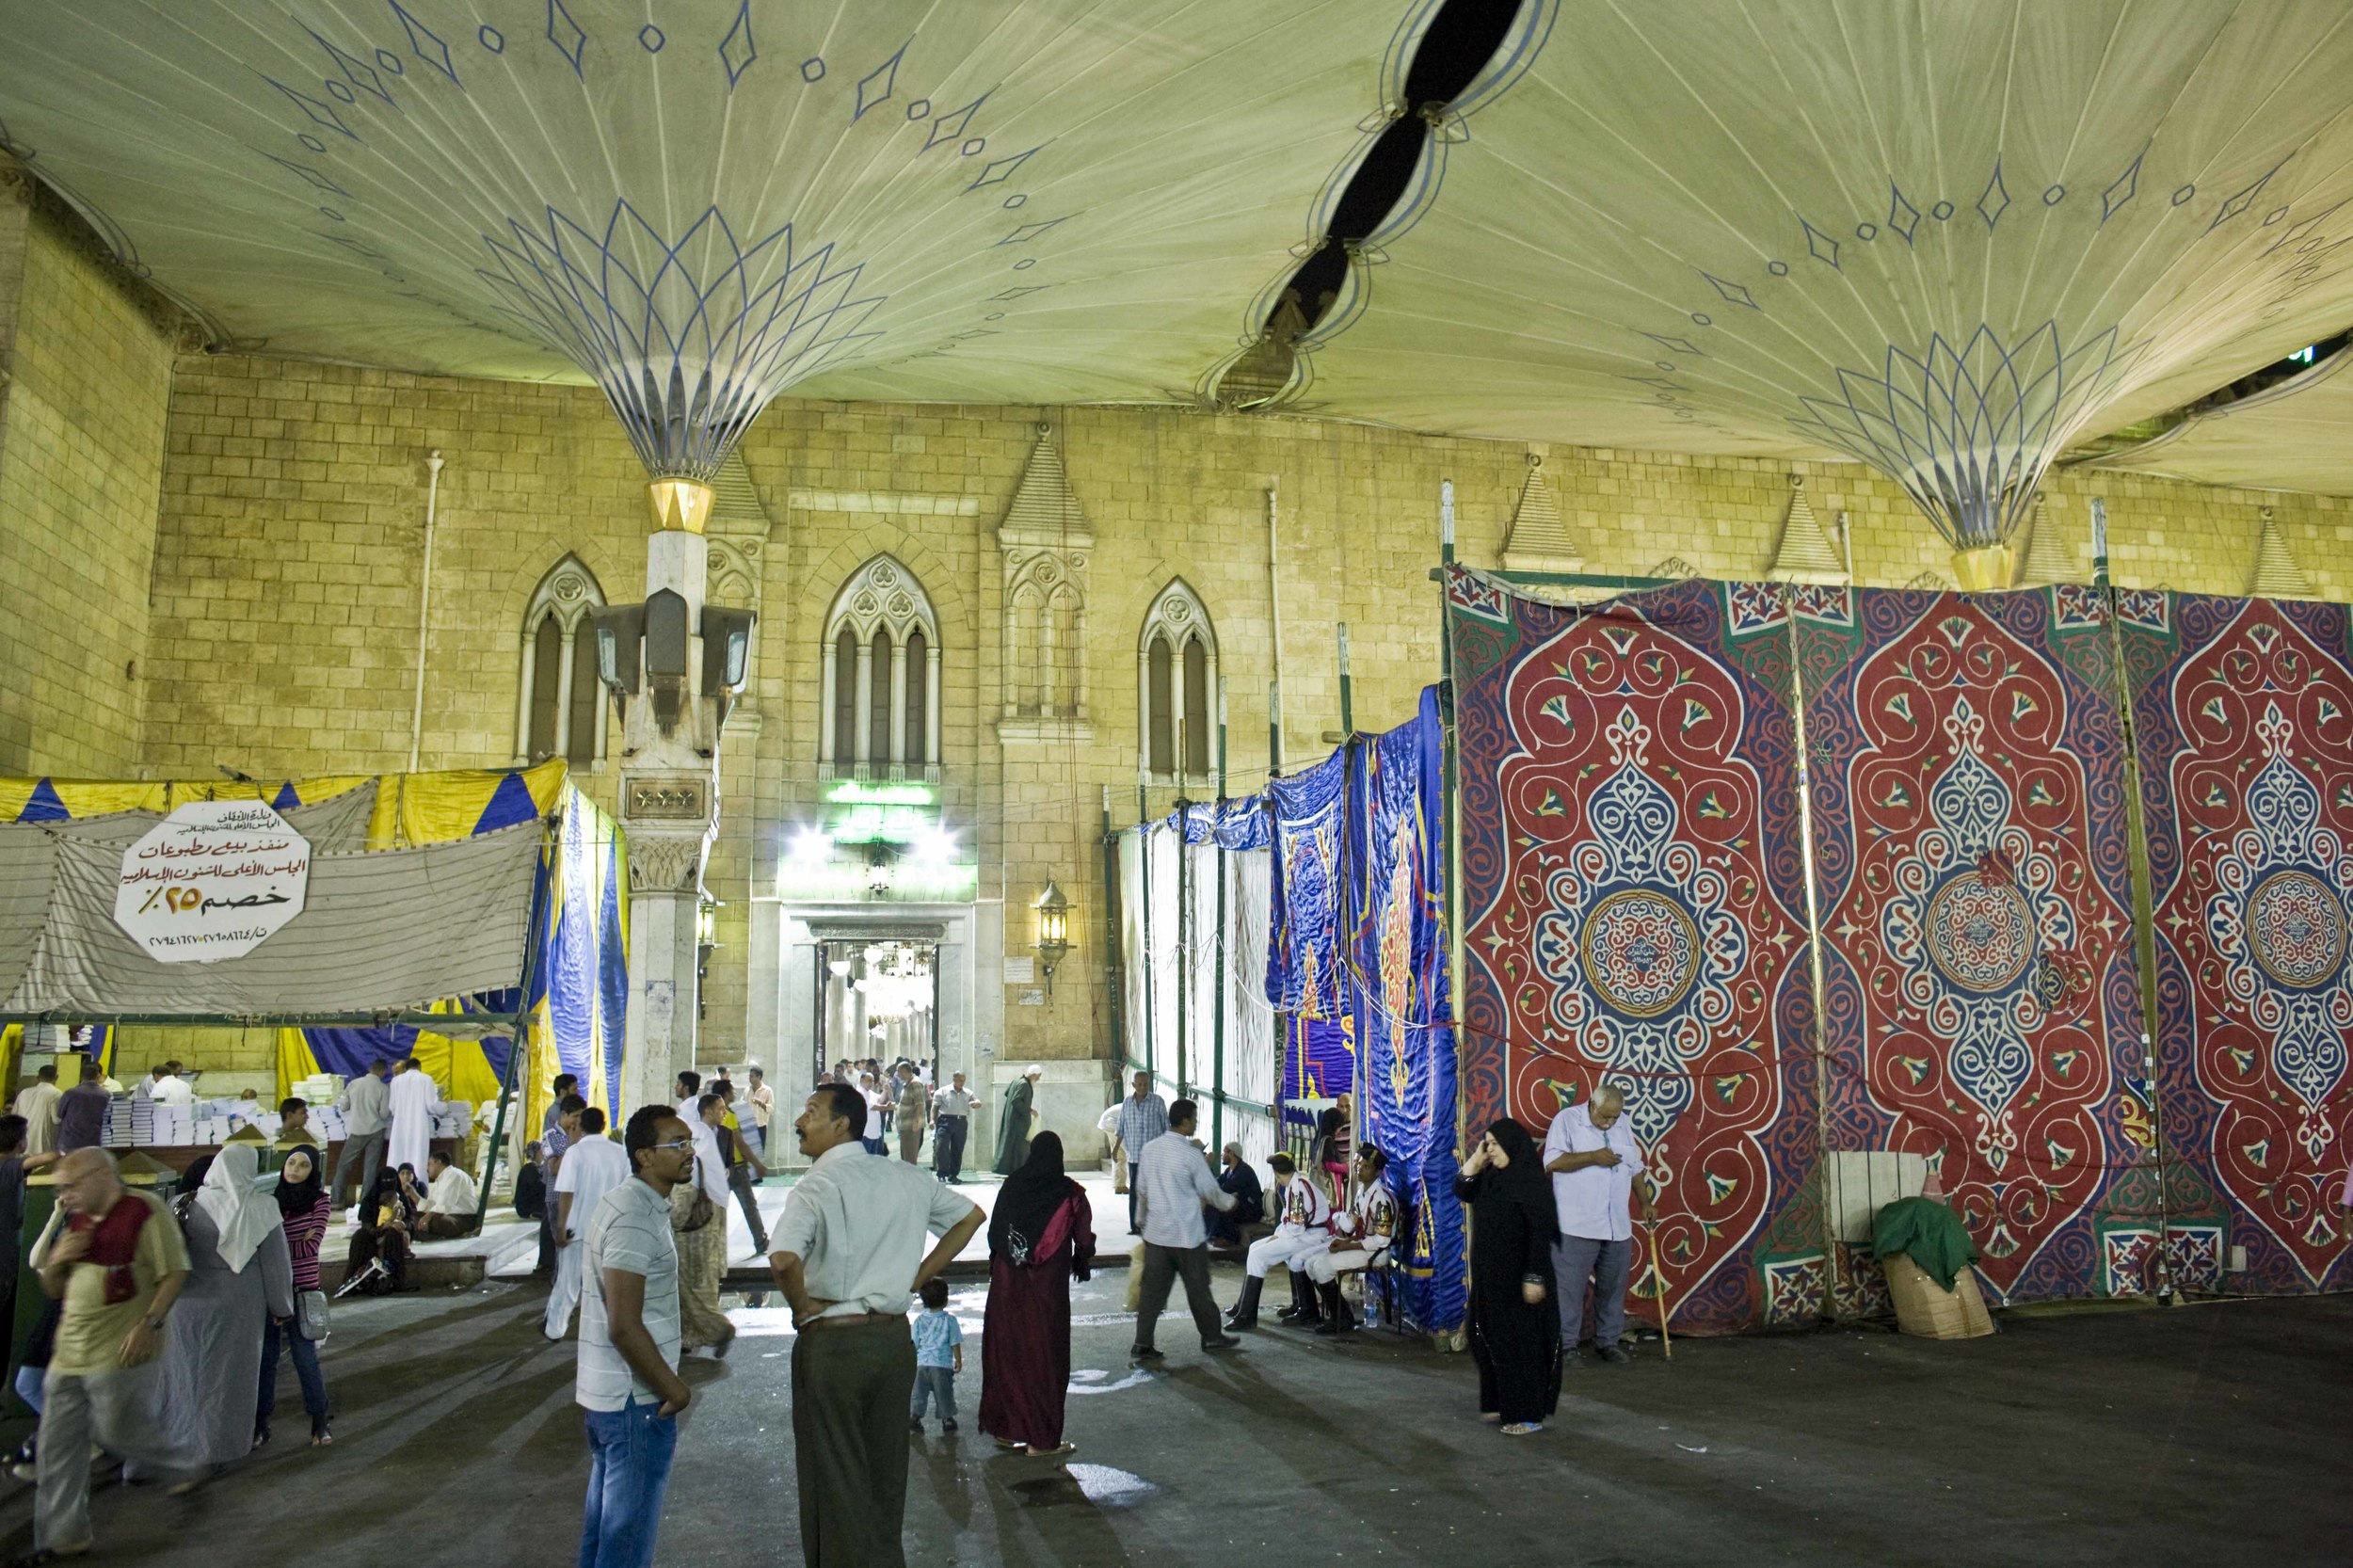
877	996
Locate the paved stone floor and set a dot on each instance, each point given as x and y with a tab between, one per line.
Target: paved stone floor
2208	1434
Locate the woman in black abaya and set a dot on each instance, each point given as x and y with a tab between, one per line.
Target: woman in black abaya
1514	1332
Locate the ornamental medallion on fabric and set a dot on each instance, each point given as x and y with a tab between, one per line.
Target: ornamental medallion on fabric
1978	958
1624	924
2252	847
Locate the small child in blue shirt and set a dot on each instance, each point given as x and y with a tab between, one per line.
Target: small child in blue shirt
938	1357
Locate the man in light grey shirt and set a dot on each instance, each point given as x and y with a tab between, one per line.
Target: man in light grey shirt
366	1103
1173	1182
951	1122
847	1251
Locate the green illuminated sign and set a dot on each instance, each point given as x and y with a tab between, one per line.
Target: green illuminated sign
851	791
888	824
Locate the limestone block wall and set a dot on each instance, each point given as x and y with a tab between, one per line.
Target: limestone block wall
288	557
84	381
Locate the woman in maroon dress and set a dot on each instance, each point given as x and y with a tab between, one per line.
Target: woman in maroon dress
1040	1238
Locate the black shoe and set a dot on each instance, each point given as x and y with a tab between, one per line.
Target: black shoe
1310	1312
1223	1343
1617	1355
1338	1319
1245	1311
947	1426
1144	1352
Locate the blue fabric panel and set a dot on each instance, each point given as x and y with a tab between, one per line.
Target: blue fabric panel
286	798
1303	959
613	978
571	957
1394	866
44	806
509	804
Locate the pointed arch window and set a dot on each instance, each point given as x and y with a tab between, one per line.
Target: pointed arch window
880	692
1177	689
559	708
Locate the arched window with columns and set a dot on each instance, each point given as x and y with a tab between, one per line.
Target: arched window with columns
1177	689
880	692
559	708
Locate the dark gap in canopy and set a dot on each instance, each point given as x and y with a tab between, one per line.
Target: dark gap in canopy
1461	39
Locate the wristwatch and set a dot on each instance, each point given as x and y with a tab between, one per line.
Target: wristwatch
154	1324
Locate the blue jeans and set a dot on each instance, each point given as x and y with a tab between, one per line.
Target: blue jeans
629	1470
1582	1261
937	1384
306	1360
28	1383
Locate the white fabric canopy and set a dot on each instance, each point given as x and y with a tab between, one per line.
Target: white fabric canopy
1948	240
1050	200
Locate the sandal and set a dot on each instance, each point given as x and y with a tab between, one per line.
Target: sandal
1055	1452
1523	1429
321	1437
1011	1447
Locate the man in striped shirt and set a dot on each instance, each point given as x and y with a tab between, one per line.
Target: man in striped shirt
630	1328
1143	1116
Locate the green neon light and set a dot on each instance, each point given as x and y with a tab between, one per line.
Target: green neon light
850	792
888	824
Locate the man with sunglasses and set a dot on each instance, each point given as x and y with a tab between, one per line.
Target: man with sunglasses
845	1258
629	1329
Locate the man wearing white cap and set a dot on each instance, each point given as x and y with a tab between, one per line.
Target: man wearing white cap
1019	1114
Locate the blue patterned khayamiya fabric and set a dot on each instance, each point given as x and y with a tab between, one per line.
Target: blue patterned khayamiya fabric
1394	868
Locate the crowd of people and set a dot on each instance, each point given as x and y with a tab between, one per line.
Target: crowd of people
174	1310
163	1325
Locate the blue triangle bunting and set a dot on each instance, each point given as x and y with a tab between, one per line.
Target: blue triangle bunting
44	806
510	804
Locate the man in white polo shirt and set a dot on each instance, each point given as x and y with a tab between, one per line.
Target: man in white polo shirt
628	1379
846	1253
591	1168
1596	1168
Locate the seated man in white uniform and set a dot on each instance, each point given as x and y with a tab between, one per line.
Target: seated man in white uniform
1360	1238
1300	1209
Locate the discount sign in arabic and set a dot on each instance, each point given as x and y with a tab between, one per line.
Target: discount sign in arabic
213	880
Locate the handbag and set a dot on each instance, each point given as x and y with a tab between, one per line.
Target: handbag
699	1211
311	1314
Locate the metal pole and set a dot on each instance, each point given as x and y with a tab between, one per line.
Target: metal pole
518	1043
1112	945
1817	975
1348	705
2137	865
1449	775
425	606
1184	942
1217	1025
1143	861
1274	613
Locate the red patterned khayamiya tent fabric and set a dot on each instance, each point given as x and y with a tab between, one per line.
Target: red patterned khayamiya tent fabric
2243	712
1981	996
1633	912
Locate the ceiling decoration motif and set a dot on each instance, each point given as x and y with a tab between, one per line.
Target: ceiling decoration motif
1949	241
697	204
1945	240
2295	436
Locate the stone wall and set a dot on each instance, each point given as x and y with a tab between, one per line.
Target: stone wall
84	379
289	550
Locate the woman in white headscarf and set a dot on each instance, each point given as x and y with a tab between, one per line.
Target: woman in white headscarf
239	1276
